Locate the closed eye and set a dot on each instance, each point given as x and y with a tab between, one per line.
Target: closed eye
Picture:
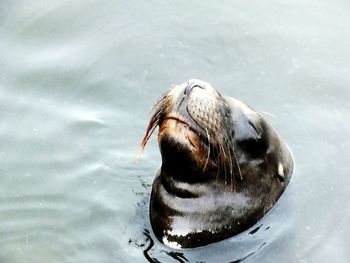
257	128
254	147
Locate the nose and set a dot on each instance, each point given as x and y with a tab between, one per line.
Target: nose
195	102
183	100
190	87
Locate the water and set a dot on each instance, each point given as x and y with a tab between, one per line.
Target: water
78	80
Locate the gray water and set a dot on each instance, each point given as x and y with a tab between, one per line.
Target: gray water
78	80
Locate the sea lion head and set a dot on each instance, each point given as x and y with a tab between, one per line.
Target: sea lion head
223	166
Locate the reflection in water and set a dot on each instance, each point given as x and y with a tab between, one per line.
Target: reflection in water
151	244
250	254
180	256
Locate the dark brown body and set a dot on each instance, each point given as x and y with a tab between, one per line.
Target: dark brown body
218	176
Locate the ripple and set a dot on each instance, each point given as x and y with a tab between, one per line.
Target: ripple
57	223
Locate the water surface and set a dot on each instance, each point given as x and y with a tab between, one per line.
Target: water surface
77	83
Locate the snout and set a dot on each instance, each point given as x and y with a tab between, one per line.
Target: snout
199	104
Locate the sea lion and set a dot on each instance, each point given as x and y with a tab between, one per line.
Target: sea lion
223	166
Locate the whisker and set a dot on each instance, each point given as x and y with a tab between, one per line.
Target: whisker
223	160
157	112
231	171
208	138
216	153
260	113
225	128
238	166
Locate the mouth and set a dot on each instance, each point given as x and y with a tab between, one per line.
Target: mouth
182	146
179	125
178	130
